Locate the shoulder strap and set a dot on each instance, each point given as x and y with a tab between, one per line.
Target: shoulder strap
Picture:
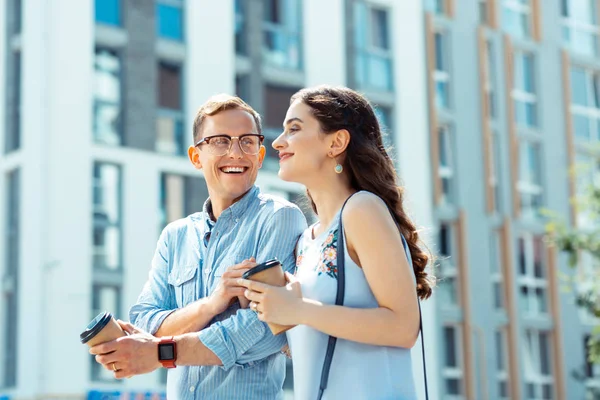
339	300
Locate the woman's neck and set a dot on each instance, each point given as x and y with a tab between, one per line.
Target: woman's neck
328	200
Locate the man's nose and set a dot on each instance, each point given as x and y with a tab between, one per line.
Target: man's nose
235	151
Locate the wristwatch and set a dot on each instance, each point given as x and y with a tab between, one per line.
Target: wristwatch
167	352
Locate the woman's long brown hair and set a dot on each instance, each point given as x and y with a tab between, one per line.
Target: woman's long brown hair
367	163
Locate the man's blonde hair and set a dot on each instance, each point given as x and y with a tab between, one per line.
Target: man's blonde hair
219	103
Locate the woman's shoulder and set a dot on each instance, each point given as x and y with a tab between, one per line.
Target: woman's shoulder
364	204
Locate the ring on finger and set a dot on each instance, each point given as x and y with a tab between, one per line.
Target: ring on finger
114	366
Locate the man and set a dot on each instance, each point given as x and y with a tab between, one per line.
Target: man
192	294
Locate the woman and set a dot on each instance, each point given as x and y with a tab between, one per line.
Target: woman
332	144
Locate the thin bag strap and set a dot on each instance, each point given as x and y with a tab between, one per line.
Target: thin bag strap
339	300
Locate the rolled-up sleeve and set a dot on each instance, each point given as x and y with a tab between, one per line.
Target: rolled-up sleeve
242	338
155	302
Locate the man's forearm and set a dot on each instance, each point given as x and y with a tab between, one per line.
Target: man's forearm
191	351
192	318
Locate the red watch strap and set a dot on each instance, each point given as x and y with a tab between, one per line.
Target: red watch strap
169	363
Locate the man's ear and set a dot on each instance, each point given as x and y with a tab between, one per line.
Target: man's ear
339	141
261	155
194	157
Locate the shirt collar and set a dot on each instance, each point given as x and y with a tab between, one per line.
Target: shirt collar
234	211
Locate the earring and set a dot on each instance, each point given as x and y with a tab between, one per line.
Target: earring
339	169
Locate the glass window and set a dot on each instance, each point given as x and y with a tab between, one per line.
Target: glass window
441	75
579	26
240	27
107	217
585	105
373	55
10	288
436	6
538	375
169	19
530	186
496	270
592	371
501	364
107	94
452	370
532	279
281	30
180	196
108	12
13	131
105	298
496	168
448	265
490	76
516	17
242	87
446	163
524	92
169	125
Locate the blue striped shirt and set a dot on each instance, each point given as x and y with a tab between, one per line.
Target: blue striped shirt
191	256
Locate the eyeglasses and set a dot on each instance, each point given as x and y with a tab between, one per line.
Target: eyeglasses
219	145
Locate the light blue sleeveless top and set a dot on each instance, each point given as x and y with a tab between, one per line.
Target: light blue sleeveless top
358	371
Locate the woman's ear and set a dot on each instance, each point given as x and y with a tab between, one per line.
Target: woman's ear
339	142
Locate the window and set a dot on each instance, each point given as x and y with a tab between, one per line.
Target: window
529	185
180	196
9	289
501	364
242	87
241	46
484	10
446	163
452	370
17	15
169	125
538	375
489	87
107	217
580	26
587	173
13	131
169	19
496	270
516	17
277	100
587	286
107	97
108	12
384	116
441	75
532	275
105	298
281	30
585	105
448	265
524	92
436	6
496	168
592	372
373	54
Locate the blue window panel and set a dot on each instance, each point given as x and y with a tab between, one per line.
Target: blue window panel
108	12
169	22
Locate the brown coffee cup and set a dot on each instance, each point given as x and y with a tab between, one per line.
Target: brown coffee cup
103	328
271	273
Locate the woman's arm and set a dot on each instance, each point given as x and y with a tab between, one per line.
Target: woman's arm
373	240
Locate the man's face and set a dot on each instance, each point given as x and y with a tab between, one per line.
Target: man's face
230	176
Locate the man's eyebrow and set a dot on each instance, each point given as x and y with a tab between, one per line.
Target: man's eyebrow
289	121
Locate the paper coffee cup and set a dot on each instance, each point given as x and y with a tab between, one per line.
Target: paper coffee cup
271	273
103	328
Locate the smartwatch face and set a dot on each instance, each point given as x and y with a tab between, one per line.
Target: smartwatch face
166	351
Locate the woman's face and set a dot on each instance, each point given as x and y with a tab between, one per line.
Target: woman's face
302	146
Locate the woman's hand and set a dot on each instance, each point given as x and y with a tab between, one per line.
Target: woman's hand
279	305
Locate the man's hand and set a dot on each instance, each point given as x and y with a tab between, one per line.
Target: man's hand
130	355
228	289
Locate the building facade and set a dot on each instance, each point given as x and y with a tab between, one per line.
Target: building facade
488	104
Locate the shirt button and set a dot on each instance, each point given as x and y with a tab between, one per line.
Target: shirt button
237	220
207	271
192	388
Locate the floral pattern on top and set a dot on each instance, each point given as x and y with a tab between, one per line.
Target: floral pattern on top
328	260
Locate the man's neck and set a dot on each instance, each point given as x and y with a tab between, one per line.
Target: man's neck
219	204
